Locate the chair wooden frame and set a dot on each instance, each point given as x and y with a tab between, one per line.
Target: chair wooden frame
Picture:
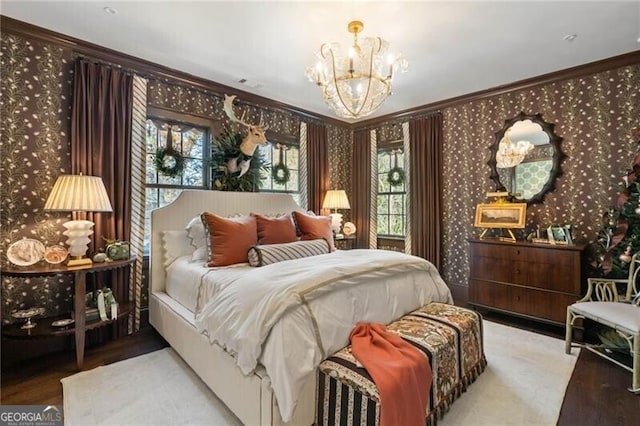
605	291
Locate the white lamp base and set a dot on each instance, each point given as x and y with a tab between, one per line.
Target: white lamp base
336	222
78	232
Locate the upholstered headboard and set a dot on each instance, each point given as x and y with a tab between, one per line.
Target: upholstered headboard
191	203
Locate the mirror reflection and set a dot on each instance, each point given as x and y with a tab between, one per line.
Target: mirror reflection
525	159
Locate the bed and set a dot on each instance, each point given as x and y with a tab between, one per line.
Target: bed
239	380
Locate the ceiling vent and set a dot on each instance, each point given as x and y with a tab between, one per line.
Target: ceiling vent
250	83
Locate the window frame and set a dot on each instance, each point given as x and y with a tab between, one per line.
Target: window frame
208	125
289	140
387	147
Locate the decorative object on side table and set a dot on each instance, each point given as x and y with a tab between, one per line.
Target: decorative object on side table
25	252
28	314
78	193
63	323
349	229
117	250
55	254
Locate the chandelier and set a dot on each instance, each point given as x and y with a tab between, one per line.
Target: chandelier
511	154
356	81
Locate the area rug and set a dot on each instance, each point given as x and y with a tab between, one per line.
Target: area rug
524	384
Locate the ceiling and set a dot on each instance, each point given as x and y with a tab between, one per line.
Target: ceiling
453	47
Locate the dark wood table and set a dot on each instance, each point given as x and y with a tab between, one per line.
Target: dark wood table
79	328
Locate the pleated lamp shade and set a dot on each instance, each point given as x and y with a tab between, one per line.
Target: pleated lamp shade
78	193
336	199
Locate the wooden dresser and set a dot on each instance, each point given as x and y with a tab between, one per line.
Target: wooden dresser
531	280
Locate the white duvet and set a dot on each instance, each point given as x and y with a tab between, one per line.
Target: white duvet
290	315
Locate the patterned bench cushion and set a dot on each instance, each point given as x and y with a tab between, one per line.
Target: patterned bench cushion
450	336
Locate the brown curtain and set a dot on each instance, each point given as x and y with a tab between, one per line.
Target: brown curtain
361	181
425	144
101	146
317	165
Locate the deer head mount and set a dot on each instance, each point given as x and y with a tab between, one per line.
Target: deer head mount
255	137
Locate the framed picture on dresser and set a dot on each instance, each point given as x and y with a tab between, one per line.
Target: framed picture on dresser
500	215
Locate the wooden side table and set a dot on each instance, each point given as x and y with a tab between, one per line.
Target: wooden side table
79	328
346	242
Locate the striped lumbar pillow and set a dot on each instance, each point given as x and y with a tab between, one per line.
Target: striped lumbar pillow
263	255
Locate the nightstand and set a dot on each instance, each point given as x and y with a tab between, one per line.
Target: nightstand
345	242
78	329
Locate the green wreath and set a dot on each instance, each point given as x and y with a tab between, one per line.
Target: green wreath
227	146
395	177
280	173
169	162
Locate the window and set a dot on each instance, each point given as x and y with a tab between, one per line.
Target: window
282	153
391	198
192	141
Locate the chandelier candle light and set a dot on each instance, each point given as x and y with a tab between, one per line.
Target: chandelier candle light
356	81
511	154
78	193
336	199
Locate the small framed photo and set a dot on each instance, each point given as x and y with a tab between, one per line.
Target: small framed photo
559	235
500	215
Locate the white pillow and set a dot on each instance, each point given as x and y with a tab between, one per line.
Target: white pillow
197	236
175	244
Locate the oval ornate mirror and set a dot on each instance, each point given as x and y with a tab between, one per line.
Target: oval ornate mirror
525	158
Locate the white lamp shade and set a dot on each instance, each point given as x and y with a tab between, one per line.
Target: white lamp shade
78	193
336	199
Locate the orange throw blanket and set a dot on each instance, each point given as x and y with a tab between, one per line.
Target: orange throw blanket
401	373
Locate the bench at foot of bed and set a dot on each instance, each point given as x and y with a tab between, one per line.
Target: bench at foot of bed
452	338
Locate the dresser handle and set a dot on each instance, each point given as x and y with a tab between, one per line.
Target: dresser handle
517	251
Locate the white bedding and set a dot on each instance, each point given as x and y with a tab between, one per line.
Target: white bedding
183	281
290	315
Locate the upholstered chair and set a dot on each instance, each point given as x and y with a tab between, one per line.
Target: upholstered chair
613	303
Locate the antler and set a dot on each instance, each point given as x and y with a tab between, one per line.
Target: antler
228	109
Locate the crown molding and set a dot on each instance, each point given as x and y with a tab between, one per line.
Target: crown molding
631	58
150	69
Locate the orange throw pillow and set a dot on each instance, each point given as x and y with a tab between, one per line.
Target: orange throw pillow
275	230
314	227
229	239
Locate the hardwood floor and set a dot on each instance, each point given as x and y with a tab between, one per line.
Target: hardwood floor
37	381
596	394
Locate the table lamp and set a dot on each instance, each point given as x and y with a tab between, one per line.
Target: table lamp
336	199
78	193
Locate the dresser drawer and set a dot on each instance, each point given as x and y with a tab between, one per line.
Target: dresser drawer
537	281
531	302
559	276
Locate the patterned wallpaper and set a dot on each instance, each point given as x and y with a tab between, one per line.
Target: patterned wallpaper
37	85
199	102
340	148
594	115
35	107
